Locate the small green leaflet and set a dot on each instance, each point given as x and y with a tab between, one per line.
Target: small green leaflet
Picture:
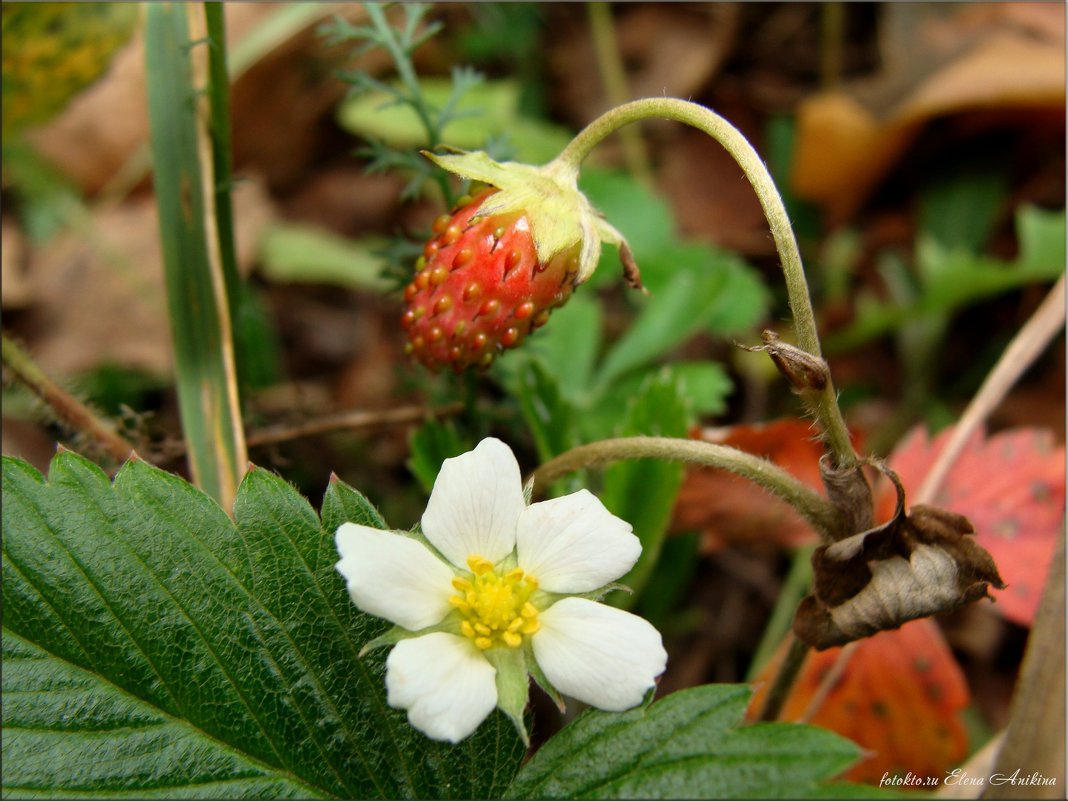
155	648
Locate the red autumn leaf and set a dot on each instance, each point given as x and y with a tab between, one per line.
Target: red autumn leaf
902	690
899	697
1011	487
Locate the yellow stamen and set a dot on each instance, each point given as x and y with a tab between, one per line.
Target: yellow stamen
479	565
496	608
511	639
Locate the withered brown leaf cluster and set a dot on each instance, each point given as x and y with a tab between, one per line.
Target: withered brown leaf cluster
915	565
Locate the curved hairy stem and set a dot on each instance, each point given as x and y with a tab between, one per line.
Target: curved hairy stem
824	403
768	475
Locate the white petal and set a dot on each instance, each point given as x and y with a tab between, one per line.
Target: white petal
393	576
444	682
573	544
475	505
603	656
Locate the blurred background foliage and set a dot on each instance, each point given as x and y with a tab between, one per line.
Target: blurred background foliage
920	150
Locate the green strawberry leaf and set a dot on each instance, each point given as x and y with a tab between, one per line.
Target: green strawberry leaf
687	745
642	217
154	647
569	345
548	416
343	504
706	290
705	385
567	349
953	278
1042	235
431	444
297	253
959	203
643	491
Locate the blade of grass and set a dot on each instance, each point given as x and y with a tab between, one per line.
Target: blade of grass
196	287
219	100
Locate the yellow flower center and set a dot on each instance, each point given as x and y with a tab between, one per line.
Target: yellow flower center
495	608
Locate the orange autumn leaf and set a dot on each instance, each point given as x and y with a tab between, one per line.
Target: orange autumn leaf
899	697
939	60
1011	487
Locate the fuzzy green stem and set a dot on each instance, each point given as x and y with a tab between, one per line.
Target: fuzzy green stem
406	71
402	61
824	403
784	680
768	475
794	587
67	408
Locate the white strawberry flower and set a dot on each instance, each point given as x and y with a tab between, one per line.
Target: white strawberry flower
494	589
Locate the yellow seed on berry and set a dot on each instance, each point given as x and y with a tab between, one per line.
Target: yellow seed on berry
512	260
471	292
464	257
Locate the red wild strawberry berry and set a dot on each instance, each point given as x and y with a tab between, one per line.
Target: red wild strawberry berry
481	288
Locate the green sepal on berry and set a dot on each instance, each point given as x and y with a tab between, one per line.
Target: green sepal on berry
498	264
559	214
